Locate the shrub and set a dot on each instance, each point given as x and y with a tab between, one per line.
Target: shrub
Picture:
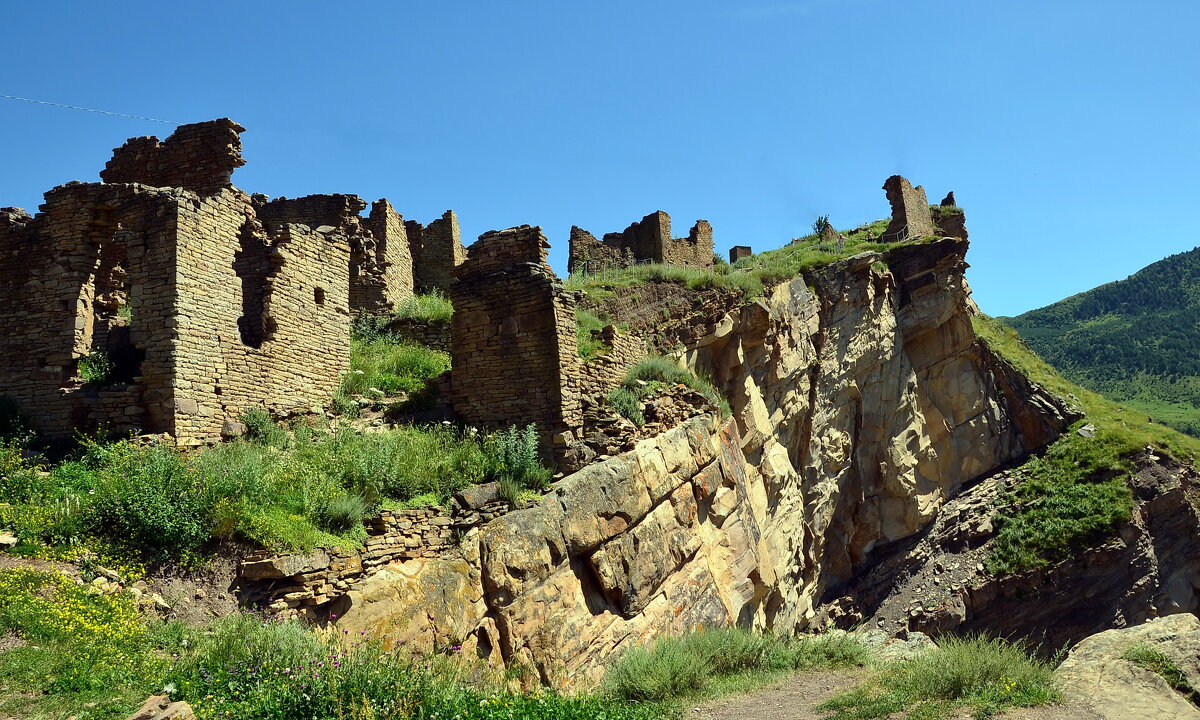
151	498
513	454
986	674
628	404
342	513
96	367
262	429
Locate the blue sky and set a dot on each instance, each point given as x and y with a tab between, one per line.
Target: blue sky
1067	129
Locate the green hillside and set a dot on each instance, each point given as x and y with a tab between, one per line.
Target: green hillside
1136	340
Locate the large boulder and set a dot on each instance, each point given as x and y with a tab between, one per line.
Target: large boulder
1098	670
160	707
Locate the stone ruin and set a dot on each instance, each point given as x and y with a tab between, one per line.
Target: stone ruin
648	240
737	252
913	217
200	300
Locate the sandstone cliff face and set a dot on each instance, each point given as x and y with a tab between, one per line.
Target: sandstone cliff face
858	410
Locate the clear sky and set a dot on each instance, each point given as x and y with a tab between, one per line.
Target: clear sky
1069	130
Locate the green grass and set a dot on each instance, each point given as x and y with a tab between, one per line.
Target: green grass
95	657
600	286
587	329
983	675
718	661
1077	494
381	367
289	490
650	375
431	307
1147	657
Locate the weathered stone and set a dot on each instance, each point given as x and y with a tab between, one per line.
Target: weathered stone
160	707
910	211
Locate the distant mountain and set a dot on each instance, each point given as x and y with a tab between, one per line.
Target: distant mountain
1136	340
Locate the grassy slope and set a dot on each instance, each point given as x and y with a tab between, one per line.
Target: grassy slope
1136	340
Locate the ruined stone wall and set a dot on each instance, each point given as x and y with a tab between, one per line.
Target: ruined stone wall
910	211
737	252
606	371
436	250
392	263
200	157
278	337
949	220
430	333
514	353
381	266
64	278
648	240
587	254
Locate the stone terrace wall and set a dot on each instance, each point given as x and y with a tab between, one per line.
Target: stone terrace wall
200	157
910	211
514	351
606	371
279	338
647	240
436	250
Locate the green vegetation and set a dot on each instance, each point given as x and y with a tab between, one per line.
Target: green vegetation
96	367
600	286
714	662
1077	494
283	489
1147	657
1135	340
652	375
389	368
587	327
430	307
95	657
984	675
821	224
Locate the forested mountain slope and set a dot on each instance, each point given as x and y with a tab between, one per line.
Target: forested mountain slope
1136	340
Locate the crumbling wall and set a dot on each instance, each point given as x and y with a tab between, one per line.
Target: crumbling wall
381	266
436	250
647	240
92	273
949	218
911	218
606	371
514	352
588	255
277	337
200	157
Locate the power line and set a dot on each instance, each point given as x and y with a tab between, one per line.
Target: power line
76	107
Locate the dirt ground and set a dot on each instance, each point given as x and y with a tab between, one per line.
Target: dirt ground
795	698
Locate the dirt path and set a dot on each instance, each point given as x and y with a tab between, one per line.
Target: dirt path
795	698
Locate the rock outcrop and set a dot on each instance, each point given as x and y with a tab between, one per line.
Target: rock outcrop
860	405
1100	670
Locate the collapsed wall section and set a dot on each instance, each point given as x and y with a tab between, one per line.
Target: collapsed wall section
200	157
648	240
513	342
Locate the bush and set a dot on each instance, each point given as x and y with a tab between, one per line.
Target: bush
986	674
628	404
587	326
96	367
262	429
342	513
152	499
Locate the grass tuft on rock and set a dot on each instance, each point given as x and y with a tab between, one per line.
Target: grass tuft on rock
982	674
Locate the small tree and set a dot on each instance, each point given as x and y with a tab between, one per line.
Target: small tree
821	225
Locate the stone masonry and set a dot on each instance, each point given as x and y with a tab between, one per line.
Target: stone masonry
911	218
737	252
165	269
437	250
381	262
514	353
648	240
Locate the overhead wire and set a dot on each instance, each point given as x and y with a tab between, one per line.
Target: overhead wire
85	109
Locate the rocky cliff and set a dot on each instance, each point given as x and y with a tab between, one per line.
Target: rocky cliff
861	402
